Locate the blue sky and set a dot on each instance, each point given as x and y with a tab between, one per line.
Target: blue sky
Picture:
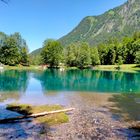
38	20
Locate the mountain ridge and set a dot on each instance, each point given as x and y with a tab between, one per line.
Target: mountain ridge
114	22
118	22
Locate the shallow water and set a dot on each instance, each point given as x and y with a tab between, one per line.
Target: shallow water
78	87
54	85
89	90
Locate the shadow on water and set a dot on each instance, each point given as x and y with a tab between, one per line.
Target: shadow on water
127	106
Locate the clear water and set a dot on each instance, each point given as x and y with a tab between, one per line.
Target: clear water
53	86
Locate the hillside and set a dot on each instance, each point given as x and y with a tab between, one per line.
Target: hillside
118	22
35	56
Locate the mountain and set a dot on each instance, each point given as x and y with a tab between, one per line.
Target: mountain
35	56
118	22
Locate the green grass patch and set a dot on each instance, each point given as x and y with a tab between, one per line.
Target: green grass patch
52	119
124	67
20	67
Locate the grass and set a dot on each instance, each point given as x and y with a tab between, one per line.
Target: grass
124	67
53	119
20	67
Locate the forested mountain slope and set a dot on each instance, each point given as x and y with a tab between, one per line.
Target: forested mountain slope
118	22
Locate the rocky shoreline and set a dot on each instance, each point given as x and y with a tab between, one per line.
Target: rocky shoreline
93	124
84	124
91	120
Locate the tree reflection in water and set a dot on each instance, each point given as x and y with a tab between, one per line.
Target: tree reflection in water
89	80
12	83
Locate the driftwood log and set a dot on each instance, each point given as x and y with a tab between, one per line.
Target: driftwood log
6	120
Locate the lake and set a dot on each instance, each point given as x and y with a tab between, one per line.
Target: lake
54	86
105	101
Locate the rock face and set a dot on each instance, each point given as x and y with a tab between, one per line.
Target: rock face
118	22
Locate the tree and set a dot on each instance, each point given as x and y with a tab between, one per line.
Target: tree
120	54
111	54
137	58
52	53
71	55
13	49
22	48
120	60
84	59
9	53
102	49
94	56
24	57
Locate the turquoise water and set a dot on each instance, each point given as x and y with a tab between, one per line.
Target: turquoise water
55	86
77	88
71	80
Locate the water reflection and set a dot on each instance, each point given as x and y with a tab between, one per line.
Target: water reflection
88	80
13	80
12	84
53	85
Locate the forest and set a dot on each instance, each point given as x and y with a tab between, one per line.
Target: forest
14	51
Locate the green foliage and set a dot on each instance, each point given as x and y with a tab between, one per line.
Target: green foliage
13	50
9	54
102	48
94	56
35	57
137	58
111	12
24	57
84	59
82	55
120	60
71	54
123	52
111	55
52	53
113	23
78	55
99	30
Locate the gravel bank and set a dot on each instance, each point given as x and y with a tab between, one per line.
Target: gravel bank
92	120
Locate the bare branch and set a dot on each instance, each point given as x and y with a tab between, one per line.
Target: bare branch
5	1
